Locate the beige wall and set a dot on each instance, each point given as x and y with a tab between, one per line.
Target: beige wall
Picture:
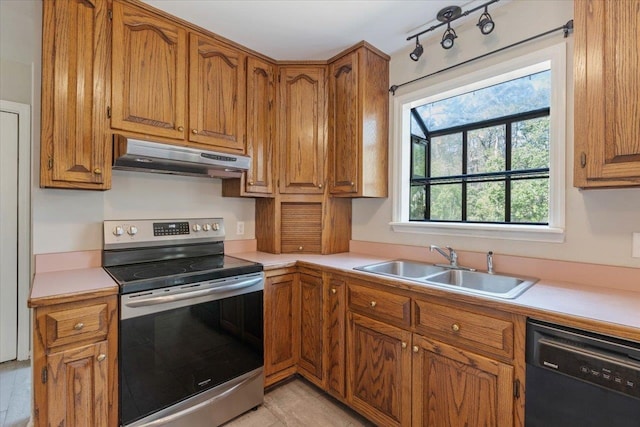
71	220
599	223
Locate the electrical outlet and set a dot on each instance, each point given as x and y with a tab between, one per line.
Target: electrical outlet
635	251
240	228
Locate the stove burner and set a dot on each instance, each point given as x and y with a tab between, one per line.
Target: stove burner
158	271
208	264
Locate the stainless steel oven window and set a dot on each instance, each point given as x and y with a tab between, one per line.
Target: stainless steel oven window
178	342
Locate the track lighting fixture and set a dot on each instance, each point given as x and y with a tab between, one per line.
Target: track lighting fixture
448	37
417	52
485	23
446	16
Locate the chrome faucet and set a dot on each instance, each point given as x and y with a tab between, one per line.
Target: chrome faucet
452	257
490	262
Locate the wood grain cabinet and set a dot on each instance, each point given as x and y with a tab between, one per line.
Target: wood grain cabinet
74	135
606	94
310	362
302	141
75	348
358	123
281	325
335	328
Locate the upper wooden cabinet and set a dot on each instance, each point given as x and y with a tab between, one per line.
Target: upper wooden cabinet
607	94
358	123
75	150
149	60
302	142
217	76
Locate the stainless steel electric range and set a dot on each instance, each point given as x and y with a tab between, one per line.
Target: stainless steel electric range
191	326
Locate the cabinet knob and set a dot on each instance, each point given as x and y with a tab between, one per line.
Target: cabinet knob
180	128
78	326
404	344
455	327
299	248
416	349
373	304
97	171
352	183
101	357
333	290
194	131
250	182
319	185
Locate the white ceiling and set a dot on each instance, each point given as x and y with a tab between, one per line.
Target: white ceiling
312	29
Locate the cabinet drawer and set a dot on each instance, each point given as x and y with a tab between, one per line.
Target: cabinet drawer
380	304
461	326
83	323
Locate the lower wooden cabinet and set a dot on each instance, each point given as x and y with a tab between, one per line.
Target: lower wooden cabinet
311	328
75	349
335	328
454	387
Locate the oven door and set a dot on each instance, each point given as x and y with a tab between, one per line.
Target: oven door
184	346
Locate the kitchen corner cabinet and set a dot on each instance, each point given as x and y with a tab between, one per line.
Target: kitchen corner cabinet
310	362
358	123
75	150
281	325
335	328
302	141
606	94
75	365
149	79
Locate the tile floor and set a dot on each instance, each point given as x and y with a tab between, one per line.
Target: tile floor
295	403
15	393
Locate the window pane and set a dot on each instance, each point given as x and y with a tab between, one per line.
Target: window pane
530	146
530	201
486	150
446	202
419	157
446	155
485	201
417	203
415	129
512	97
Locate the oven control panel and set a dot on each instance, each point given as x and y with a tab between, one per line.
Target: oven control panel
148	232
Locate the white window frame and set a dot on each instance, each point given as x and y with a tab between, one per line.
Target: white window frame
553	57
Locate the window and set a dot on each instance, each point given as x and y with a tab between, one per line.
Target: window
483	155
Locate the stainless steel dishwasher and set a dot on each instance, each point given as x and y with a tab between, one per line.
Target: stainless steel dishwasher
579	378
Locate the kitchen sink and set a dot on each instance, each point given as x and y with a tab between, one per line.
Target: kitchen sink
475	282
403	269
484	283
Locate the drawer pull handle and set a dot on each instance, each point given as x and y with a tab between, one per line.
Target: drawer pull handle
97	171
333	291
194	131
78	326
180	128
455	327
404	344
373	304
415	349
299	248
101	357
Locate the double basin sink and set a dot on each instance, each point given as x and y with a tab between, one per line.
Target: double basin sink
475	282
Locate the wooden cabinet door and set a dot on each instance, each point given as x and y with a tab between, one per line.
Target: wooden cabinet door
345	131
311	328
456	387
302	129
335	319
75	145
77	386
217	86
607	93
149	57
379	372
261	93
281	324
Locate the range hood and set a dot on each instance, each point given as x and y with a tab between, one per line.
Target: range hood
147	156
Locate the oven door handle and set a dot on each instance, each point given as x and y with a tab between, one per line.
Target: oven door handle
163	299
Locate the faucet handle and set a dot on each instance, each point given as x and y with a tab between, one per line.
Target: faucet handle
490	262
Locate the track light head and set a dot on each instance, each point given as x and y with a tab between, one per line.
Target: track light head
485	23
448	37
417	52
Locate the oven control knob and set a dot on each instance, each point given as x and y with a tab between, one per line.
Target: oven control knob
215	226
196	227
118	230
132	230
206	227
